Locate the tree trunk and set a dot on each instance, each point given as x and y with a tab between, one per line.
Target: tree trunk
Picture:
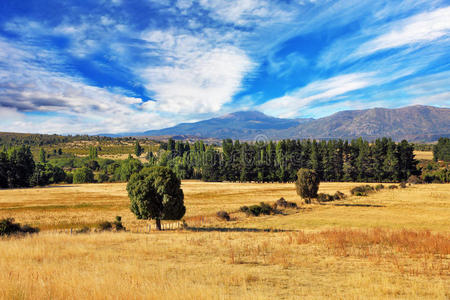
158	224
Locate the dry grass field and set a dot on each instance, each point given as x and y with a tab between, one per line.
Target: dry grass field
423	155
390	244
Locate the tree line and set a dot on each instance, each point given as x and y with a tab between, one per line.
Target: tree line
18	169
334	160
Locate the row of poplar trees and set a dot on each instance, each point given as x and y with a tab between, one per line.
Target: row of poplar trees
336	160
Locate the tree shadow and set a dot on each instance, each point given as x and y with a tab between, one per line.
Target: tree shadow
234	229
358	205
54	186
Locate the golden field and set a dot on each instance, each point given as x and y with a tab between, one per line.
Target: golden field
423	155
390	244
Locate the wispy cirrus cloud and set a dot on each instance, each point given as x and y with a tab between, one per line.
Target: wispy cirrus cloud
418	29
321	90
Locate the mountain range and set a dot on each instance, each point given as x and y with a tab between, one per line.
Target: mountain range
414	123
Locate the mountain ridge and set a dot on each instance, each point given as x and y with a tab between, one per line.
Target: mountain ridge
415	123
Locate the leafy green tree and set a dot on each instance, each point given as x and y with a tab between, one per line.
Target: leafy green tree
93	165
21	166
4	169
155	193
83	175
127	168
44	175
441	151
138	149
93	152
42	156
307	184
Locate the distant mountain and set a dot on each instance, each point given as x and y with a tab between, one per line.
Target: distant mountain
414	123
242	125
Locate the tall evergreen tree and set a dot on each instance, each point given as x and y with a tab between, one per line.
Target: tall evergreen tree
391	163
138	149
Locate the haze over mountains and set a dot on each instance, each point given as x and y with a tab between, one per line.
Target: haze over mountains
414	123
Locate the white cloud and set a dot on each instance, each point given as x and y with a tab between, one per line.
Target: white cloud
291	104
421	28
198	74
184	4
239	12
69	105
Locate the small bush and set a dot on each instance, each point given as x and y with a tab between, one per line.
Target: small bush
413	179
69	178
362	190
256	210
118	226
339	196
392	187
379	187
105	226
102	177
8	227
403	185
83	175
85	229
223	215
244	209
285	204
266	209
324	197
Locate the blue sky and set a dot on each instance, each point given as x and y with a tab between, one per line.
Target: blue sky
123	65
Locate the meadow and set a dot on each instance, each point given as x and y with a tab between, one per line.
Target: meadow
390	244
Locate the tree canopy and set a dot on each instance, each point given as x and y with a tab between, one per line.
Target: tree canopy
155	193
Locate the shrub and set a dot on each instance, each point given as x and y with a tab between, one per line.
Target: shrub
83	175
266	209
254	210
403	185
339	196
223	215
392	187
102	177
8	227
104	226
118	224
413	179
324	197
244	209
69	178
285	204
379	187
362	190
307	184
93	165
84	229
